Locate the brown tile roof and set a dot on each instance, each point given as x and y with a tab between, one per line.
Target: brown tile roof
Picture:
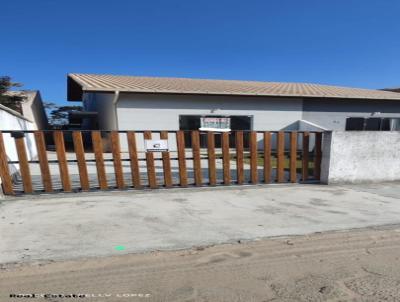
91	82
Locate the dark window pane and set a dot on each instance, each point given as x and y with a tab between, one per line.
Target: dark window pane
385	124
373	124
189	122
241	122
355	123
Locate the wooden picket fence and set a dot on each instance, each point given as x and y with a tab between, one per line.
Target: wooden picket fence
240	157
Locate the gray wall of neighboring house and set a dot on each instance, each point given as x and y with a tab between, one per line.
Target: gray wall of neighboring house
33	109
332	114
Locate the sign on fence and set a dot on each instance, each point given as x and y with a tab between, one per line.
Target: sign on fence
156	145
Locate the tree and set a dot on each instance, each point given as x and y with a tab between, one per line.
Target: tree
12	101
58	115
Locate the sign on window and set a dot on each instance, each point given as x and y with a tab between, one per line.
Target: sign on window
215	124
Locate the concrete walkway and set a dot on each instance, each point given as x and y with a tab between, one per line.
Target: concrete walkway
66	226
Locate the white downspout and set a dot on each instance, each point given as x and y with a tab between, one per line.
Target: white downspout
115	101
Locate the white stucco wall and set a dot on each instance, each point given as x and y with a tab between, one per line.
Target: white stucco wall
161	112
155	112
12	122
360	156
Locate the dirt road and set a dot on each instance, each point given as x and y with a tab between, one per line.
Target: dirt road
358	265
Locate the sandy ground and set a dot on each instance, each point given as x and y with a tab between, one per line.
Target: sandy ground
357	265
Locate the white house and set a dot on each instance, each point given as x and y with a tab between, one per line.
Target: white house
31	108
13	120
150	103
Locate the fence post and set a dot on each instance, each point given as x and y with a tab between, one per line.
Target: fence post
98	153
43	161
253	157
306	146
293	156
151	171
23	163
6	180
239	157
62	160
180	140
212	175
267	157
196	158
166	163
116	152
318	155
135	169
80	157
225	158
281	157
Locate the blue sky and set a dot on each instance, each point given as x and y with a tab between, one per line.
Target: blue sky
342	42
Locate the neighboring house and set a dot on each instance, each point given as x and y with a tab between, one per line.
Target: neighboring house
149	103
32	108
13	120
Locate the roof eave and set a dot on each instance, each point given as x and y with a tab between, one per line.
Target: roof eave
74	89
173	92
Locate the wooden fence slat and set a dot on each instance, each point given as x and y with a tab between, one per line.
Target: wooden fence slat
253	157
196	158
116	152
24	164
239	157
43	161
267	157
281	157
62	160
5	176
166	163
135	169
98	154
180	140
80	157
226	158
318	155
212	174
306	145
151	169
293	157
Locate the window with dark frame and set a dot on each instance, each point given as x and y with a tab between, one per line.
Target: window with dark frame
372	124
237	122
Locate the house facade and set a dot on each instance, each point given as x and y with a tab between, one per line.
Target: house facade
141	103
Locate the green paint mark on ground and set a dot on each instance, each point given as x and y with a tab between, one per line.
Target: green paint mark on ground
119	247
